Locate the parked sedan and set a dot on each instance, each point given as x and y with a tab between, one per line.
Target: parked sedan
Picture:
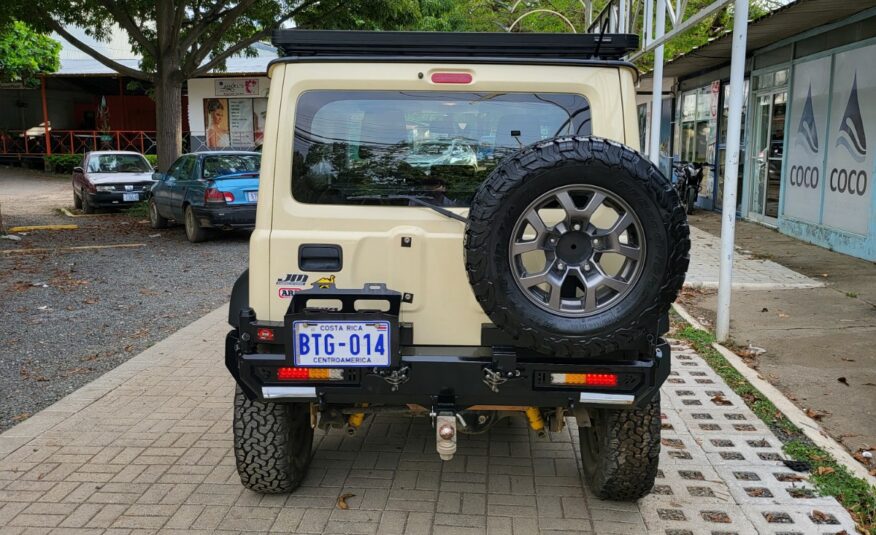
110	179
207	190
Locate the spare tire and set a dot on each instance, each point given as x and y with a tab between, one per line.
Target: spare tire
576	246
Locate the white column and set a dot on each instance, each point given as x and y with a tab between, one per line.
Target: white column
657	90
731	167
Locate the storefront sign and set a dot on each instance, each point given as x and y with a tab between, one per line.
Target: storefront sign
237	87
806	140
848	191
240	122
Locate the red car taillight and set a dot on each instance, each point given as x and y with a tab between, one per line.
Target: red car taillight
214	195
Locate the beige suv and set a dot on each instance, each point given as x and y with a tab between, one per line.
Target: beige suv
459	227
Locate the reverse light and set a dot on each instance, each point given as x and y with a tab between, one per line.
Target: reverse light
265	335
451	78
310	374
584	379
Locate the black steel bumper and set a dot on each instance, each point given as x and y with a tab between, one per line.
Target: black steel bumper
110	199
242	217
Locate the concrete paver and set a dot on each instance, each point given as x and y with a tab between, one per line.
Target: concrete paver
147	448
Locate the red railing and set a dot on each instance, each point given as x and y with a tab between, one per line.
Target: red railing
32	143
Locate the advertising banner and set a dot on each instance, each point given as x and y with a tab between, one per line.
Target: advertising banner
852	130
807	136
237	87
240	122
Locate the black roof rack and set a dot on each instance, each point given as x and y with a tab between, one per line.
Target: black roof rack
580	46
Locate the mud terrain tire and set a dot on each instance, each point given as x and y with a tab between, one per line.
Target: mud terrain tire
272	444
569	162
620	451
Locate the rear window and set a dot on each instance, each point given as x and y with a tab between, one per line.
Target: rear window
383	147
227	164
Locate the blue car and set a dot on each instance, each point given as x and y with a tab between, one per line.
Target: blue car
207	190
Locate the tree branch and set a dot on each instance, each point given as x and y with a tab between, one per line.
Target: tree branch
116	66
216	34
202	25
219	58
124	19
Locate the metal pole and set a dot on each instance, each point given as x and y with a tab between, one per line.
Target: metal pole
731	166
647	21
48	150
657	90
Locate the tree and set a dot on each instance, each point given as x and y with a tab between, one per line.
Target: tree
25	54
182	39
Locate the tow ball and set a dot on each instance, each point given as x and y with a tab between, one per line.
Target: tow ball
445	435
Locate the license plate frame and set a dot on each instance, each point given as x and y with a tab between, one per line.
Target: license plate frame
130	197
252	196
365	334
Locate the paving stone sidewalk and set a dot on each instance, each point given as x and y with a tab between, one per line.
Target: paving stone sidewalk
749	273
147	448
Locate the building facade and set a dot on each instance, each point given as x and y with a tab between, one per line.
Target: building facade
809	128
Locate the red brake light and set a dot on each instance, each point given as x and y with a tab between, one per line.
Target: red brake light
265	335
584	379
214	195
310	374
451	78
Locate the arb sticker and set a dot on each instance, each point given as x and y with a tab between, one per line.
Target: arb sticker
287	293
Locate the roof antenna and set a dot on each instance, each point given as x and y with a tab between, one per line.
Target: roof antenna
601	36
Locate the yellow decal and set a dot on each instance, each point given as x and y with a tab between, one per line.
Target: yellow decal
326	282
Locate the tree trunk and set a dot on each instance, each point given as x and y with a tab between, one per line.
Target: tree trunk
168	109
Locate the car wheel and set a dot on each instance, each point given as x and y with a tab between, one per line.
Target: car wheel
86	205
155	219
576	246
194	231
620	451
77	202
272	444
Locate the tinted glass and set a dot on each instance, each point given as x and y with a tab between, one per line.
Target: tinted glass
226	164
118	163
370	147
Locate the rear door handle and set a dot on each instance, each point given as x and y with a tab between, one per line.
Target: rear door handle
320	257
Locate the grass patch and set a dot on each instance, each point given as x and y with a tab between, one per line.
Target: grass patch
141	209
853	295
829	477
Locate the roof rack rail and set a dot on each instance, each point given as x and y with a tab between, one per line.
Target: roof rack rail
611	47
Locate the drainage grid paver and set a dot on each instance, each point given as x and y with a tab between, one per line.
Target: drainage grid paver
147	448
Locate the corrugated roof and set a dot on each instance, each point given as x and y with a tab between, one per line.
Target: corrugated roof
773	27
75	62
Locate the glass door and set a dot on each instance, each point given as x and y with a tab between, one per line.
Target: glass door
766	158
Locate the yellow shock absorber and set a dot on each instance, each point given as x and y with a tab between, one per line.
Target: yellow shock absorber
535	420
356	419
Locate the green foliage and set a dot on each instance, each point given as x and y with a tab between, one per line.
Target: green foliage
828	476
62	163
25	54
152	159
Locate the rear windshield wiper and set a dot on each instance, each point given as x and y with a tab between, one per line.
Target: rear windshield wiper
416	199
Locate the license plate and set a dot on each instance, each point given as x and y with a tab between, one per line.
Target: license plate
341	343
130	197
252	196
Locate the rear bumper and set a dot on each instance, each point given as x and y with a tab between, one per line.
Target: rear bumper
455	376
224	216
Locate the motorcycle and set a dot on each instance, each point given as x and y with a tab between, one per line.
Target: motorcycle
687	179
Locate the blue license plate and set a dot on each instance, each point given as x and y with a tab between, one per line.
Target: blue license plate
344	344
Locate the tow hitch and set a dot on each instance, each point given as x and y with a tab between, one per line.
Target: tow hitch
445	435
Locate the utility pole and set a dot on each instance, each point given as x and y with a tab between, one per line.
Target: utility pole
731	167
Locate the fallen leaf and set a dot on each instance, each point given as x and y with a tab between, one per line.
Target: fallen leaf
824	470
848	360
342	500
816	415
843	380
90	301
819	517
721	400
873	472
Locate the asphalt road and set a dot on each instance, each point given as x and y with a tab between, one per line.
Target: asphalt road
67	317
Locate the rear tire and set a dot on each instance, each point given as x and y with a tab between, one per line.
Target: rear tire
194	231
155	219
620	451
272	444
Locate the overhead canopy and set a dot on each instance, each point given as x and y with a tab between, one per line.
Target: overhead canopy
782	23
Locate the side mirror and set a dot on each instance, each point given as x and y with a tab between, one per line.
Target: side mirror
157	176
78	169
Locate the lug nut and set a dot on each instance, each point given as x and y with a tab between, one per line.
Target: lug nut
587	266
576	226
595	242
561	266
446	432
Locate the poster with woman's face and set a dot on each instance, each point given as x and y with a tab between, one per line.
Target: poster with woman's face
259	112
216	121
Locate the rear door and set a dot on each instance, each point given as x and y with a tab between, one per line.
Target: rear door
185	179
399	133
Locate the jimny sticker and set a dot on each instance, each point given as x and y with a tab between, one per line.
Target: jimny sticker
292	279
287	293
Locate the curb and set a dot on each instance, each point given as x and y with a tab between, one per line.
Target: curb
810	427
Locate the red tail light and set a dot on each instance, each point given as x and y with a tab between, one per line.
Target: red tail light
584	379
310	374
214	195
265	335
451	78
